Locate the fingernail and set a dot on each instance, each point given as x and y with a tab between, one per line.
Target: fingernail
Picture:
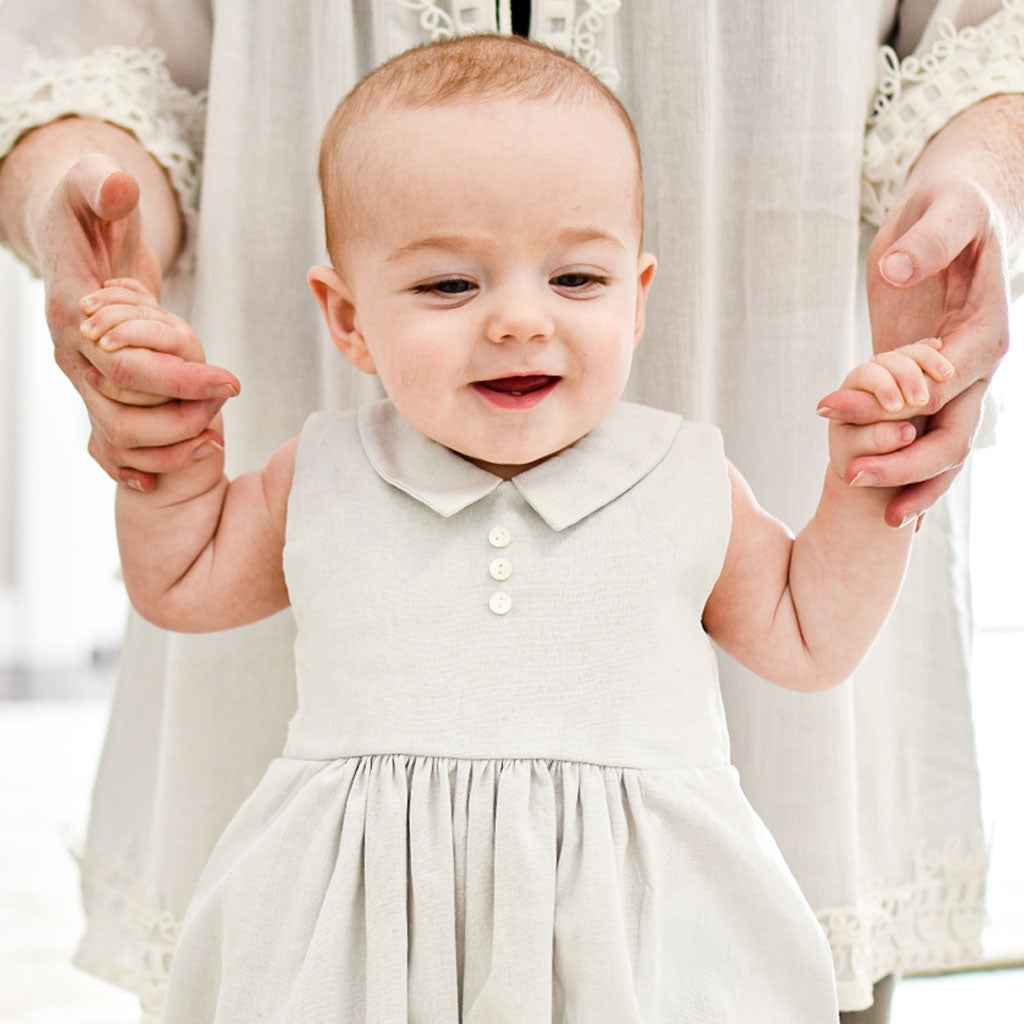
907	432
912	517
825	410
946	369
222	391
133	483
89	330
108	344
865	479
897	268
206	449
89	304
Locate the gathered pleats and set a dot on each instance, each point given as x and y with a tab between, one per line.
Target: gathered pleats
374	890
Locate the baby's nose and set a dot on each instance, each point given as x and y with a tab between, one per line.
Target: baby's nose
520	315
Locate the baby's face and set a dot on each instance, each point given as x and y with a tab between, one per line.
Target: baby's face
495	281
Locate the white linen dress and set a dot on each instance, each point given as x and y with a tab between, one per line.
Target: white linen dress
506	795
752	118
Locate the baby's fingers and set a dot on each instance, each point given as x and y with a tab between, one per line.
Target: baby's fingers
121	325
848	442
118	289
912	365
900	377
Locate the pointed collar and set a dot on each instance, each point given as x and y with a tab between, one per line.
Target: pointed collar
564	489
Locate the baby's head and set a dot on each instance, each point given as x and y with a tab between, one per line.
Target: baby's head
483	204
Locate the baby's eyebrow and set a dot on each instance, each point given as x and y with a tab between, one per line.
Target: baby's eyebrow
578	236
436	243
460	243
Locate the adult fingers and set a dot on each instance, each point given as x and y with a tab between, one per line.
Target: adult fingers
167	458
104	387
943	447
914	500
138	468
142	370
122	427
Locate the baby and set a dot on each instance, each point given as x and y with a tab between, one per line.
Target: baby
506	795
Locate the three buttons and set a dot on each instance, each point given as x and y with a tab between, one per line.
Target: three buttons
500	569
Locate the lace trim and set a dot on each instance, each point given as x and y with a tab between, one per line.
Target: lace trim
128	87
131	935
580	28
560	24
934	920
919	95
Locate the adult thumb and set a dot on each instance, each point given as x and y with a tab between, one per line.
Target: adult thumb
945	228
98	185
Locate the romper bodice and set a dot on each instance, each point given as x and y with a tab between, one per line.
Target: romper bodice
442	610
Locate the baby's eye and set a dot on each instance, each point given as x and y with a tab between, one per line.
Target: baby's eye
448	286
578	281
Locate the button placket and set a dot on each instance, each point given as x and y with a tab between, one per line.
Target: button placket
499	570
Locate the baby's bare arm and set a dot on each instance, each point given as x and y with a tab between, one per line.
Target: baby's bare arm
803	612
198	553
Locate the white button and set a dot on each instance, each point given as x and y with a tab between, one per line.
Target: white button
500	569
500	603
500	536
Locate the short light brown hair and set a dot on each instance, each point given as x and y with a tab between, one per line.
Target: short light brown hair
468	68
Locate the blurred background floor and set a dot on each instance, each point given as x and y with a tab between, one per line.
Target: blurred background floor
50	737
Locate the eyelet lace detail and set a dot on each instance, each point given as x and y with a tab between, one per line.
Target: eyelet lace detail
128	87
934	920
917	96
581	28
132	935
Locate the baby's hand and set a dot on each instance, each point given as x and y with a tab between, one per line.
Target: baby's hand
125	314
153	434
900	381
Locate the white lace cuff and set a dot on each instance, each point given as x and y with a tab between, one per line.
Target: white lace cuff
919	95
128	87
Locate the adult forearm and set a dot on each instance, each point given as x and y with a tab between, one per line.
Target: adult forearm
36	166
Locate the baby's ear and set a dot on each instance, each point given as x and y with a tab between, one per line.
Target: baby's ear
335	301
646	267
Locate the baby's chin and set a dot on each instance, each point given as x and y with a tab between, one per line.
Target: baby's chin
507	466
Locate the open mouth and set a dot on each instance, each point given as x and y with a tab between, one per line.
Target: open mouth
517	392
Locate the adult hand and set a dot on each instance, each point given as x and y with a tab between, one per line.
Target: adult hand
937	268
88	231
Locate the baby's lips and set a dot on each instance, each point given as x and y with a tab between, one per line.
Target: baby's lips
519	383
